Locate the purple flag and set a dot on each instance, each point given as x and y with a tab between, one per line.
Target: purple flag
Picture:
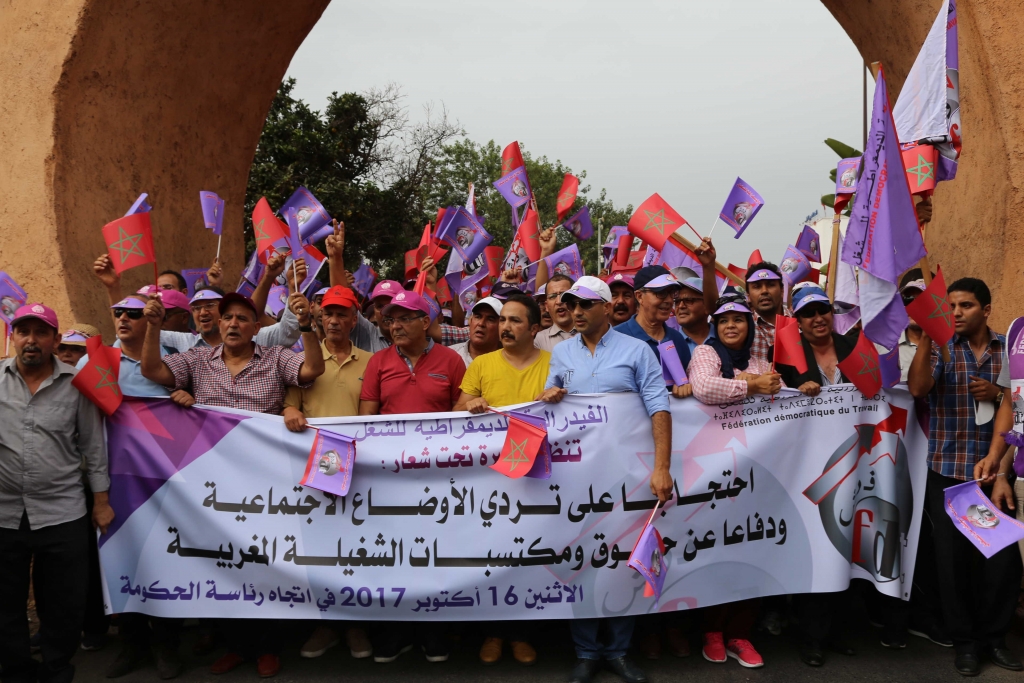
648	558
277	300
984	524
298	346
193	278
671	367
253	270
310	217
809	244
1014	348
949	151
245	287
462	232
565	262
846	175
882	237
364	278
794	266
213	211
542	463
579	224
890	365
514	187
609	248
12	297
329	466
140	205
741	206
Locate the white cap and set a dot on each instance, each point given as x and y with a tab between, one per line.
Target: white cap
489	301
587	286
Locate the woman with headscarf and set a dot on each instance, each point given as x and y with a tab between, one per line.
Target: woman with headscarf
722	371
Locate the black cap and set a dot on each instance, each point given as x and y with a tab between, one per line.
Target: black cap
646	274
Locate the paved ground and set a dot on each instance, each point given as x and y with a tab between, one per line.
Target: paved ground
921	661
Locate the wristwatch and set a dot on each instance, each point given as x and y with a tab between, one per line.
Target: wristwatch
308	328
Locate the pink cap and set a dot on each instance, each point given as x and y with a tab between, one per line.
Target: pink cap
37	311
410	301
172	298
147	290
386	288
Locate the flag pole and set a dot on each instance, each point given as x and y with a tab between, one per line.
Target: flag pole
833	258
217	258
713	227
156	275
725	272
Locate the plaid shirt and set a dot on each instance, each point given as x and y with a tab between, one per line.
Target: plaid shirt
260	386
764	338
705	373
451	335
955	442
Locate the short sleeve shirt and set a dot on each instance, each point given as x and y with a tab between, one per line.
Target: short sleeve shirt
431	386
501	384
336	392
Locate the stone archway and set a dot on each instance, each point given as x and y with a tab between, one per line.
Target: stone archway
108	99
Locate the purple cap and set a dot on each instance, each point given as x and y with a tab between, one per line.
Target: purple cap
321	292
663	282
621	279
409	300
590	288
694	283
131	301
172	298
732	307
73	338
205	295
762	274
502	290
38	311
386	288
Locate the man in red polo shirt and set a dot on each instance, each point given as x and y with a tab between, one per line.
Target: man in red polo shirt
415	375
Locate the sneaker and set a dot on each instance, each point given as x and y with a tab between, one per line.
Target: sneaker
93	641
388	651
714	648
435	647
322	640
523	652
744	653
772	623
650	645
934	634
490	651
678	643
893	642
358	643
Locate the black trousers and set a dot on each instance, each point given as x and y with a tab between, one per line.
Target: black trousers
978	595
823	616
59	559
96	622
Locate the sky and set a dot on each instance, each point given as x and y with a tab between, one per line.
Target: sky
675	97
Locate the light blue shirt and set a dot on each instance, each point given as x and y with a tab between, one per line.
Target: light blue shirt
694	344
130	378
618	365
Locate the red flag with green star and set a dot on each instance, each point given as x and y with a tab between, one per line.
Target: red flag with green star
511	158
567	195
654	221
97	380
861	367
522	443
931	310
130	241
920	162
267	228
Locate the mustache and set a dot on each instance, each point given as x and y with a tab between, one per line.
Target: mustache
508	335
620	307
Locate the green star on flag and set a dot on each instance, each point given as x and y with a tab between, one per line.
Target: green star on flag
127	245
941	309
517	455
923	170
870	367
657	220
107	379
566	199
261	234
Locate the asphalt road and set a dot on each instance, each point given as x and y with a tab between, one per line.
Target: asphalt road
920	661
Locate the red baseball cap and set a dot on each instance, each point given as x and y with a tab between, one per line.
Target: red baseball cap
339	296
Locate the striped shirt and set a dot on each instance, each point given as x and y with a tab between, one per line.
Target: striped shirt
710	387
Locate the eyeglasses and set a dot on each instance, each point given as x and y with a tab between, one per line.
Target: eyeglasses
688	301
402	321
206	306
132	313
585	304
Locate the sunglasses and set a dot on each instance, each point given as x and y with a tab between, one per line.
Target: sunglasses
585	304
811	311
132	313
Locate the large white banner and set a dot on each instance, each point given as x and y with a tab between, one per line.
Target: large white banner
782	496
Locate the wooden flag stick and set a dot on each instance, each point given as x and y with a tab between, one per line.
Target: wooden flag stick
217	258
725	272
833	258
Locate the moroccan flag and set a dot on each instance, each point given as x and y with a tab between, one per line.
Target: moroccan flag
267	228
634	262
862	366
525	247
444	293
755	257
522	443
97	381
741	273
920	161
622	251
511	158
414	257
567	195
789	349
494	256
421	283
654	221
130	241
931	310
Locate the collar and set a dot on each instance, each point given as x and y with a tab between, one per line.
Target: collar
353	352
993	336
59	368
257	351
758	320
711	334
430	345
635	322
603	341
555	330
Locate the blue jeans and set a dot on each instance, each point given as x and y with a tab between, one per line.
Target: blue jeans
584	635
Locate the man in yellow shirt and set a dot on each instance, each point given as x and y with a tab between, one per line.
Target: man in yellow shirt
515	373
335	393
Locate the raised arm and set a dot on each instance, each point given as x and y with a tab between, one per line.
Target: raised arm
921	378
707	256
153	367
548	242
275	266
313	361
103	267
335	244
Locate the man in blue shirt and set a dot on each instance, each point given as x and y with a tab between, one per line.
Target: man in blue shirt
656	290
601	360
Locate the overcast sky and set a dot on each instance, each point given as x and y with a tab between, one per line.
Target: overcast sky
675	97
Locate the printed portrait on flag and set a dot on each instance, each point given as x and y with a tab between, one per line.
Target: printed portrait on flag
980	516
519	188
848	177
330	463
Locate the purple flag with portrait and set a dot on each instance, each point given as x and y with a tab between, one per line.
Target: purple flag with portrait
846	175
882	238
277	300
648	558
671	367
794	266
363	280
462	277
514	187
12	297
193	278
979	520
564	262
213	211
253	270
741	206
310	218
140	205
579	224
329	466
810	244
461	230
609	248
